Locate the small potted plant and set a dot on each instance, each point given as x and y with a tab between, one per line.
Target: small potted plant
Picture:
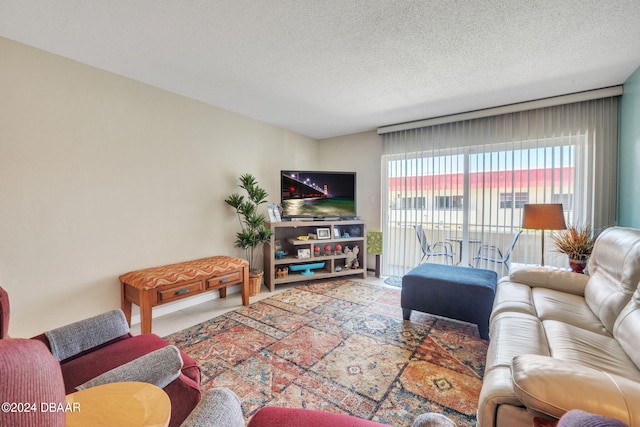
577	243
253	233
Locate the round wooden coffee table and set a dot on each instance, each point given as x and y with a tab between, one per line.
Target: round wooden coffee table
125	404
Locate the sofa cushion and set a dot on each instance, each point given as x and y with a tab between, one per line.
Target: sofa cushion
512	297
517	333
514	293
551	386
573	344
614	267
627	328
551	304
545	277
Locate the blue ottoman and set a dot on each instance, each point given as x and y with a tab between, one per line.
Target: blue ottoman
460	293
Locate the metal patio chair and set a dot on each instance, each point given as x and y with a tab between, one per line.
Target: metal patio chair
436	249
491	253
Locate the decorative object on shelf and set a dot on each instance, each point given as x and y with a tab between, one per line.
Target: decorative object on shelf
316	251
304	253
346	235
352	257
253	233
338	249
327	250
336	232
323	233
279	254
282	272
374	247
355	231
303	237
577	243
549	216
306	268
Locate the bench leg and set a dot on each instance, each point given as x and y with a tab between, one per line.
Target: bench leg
125	304
406	313
223	292
146	305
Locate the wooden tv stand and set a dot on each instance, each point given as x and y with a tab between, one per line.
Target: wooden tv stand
285	238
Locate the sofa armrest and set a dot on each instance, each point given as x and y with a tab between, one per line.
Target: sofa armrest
159	367
542	277
553	387
69	340
219	407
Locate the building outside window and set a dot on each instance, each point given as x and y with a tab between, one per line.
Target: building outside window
513	200
449	202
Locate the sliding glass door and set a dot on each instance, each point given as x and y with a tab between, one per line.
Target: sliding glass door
466	183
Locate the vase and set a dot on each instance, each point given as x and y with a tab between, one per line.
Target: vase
255	283
578	264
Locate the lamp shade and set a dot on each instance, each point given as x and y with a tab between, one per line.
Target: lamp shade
548	216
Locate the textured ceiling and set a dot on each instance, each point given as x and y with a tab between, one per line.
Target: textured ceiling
333	67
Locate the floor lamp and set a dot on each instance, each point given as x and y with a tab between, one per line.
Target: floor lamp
548	216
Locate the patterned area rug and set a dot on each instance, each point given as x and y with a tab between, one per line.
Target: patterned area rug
341	346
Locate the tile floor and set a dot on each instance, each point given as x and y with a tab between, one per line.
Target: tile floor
182	319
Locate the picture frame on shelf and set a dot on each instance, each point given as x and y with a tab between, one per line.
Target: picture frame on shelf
323	233
274	213
336	233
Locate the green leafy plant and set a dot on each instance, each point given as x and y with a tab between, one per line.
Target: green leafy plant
576	241
253	233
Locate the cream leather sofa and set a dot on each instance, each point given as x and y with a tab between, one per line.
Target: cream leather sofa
561	340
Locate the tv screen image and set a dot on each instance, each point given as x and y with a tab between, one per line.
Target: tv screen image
318	194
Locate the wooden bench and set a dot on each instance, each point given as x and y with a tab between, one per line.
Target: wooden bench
155	286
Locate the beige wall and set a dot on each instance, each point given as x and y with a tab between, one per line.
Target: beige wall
358	153
361	153
100	175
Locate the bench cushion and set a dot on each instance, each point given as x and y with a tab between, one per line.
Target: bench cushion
166	275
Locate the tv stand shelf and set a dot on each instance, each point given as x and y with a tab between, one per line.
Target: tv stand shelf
285	239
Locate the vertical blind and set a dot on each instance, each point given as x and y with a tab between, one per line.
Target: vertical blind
466	182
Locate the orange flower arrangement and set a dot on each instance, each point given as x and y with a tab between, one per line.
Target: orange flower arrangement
576	241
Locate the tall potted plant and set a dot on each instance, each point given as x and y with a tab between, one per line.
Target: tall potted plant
253	233
577	243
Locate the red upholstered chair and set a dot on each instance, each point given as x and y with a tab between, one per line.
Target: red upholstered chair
91	347
29	374
272	416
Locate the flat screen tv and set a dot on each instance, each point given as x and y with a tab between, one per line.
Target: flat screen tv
316	194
